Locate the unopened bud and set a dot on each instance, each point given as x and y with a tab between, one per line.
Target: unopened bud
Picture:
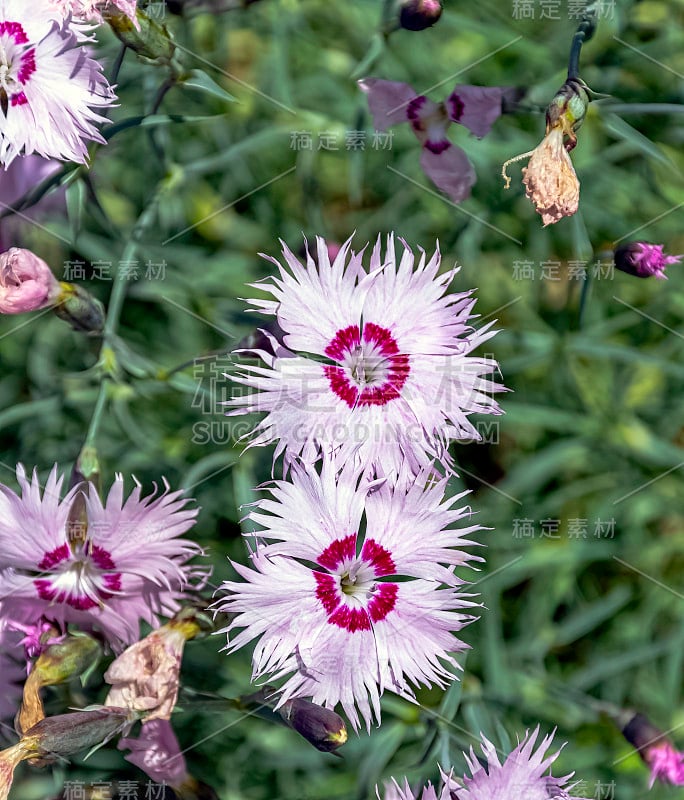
80	309
321	726
26	282
56	664
152	41
568	109
644	260
67	734
87	468
417	15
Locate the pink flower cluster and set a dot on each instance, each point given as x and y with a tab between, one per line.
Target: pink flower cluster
352	587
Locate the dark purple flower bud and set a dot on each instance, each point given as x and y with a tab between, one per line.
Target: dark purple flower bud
322	727
417	15
643	260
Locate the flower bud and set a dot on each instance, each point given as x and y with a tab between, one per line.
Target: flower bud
67	734
26	282
665	762
568	109
56	664
417	15
152	41
321	726
80	309
643	260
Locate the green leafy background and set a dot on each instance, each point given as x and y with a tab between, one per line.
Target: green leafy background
594	425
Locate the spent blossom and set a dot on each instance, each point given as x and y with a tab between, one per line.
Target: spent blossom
446	164
347	616
26	282
550	180
375	362
644	260
125	562
50	89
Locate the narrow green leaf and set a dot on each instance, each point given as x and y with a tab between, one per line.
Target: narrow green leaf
198	79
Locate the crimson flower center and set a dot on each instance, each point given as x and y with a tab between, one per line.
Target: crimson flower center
17	64
370	370
83	577
349	591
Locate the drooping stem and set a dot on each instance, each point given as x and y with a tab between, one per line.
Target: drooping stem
585	30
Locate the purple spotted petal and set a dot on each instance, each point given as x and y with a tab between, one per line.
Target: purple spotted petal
450	171
476	107
387	100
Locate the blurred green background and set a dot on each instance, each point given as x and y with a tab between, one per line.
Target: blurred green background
580	481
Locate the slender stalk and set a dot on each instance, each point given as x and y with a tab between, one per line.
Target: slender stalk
585	30
586	286
116	301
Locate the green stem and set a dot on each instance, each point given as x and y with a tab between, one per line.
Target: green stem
586	285
585	30
116	301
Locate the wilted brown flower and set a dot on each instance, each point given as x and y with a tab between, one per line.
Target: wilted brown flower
549	178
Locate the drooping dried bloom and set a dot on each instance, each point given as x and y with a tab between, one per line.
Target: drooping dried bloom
644	260
146	676
26	282
126	562
50	87
665	761
475	107
549	178
522	776
346	616
385	372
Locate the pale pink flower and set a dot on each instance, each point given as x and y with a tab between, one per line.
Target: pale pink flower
322	599
89	11
127	563
447	165
26	282
157	753
644	260
384	371
396	791
522	776
50	86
